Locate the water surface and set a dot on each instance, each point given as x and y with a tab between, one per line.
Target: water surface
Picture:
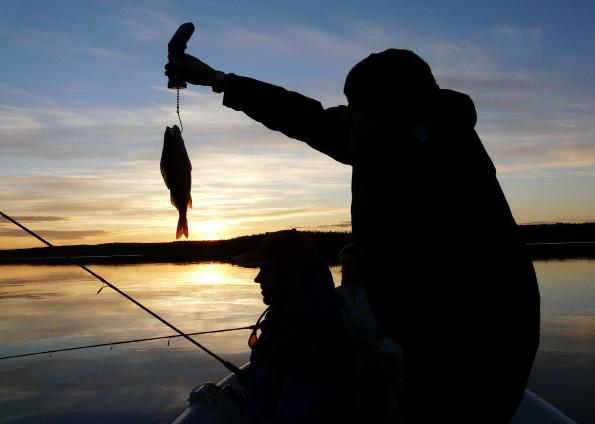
47	307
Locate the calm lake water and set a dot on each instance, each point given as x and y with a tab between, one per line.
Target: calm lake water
48	307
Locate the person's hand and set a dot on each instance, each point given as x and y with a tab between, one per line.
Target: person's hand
191	70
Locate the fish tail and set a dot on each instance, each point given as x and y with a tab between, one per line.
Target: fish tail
182	226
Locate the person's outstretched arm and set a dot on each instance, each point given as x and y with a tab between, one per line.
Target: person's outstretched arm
295	115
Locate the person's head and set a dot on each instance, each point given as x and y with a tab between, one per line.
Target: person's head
286	260
350	271
388	90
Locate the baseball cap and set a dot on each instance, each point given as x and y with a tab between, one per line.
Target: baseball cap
286	247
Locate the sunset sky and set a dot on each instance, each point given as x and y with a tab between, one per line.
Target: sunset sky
84	104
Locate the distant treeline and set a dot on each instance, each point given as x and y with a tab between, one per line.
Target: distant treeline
544	241
181	251
560	241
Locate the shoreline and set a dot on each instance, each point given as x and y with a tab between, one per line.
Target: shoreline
223	252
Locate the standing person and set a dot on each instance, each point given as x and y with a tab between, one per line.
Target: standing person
303	366
460	295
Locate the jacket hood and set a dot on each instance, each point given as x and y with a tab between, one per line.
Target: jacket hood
455	109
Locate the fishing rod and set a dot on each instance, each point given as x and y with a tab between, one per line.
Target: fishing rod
225	363
172	336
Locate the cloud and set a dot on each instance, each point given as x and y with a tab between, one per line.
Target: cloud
63	133
54	234
146	23
35	39
521	86
340	226
28	296
57	43
260	215
14	91
38	218
106	52
526	39
18	123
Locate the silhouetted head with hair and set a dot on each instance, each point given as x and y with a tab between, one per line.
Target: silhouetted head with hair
393	88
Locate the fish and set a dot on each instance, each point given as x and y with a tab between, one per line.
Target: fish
176	171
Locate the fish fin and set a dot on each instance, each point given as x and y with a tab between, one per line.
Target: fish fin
190	201
182	227
172	200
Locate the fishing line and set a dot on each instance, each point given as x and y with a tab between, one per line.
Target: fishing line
171	336
178	109
225	363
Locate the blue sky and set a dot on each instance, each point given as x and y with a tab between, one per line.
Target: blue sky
83	107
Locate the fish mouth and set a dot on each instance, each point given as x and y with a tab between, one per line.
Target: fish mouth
173	130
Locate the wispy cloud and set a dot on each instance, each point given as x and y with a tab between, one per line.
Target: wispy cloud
526	40
340	226
106	52
146	23
12	90
38	218
54	234
57	43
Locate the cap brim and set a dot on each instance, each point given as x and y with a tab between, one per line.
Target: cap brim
243	261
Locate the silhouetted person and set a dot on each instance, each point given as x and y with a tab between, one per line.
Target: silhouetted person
303	366
355	302
446	273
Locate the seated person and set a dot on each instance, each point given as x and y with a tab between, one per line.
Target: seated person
355	303
303	367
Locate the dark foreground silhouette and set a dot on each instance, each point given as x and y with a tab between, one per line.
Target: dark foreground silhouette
465	303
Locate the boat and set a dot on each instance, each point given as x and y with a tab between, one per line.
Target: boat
216	404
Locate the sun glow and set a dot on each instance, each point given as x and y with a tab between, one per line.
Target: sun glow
209	230
208	274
